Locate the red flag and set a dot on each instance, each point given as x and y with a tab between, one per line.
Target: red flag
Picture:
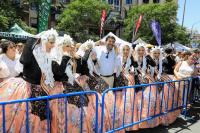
138	24
103	18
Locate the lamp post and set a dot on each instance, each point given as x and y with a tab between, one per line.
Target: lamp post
193	26
191	34
184	13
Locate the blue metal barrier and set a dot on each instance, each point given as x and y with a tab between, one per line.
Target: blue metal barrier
172	96
48	99
195	92
177	90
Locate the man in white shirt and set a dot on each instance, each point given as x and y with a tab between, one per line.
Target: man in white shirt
106	57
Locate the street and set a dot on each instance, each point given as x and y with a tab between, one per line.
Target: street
180	126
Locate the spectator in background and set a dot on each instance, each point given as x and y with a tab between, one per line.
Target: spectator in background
19	48
183	70
185	55
178	56
169	62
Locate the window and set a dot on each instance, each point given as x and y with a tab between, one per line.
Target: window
116	2
33	6
33	22
128	2
146	1
64	1
110	1
156	1
116	5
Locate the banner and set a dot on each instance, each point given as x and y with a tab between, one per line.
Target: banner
43	15
138	24
103	18
136	28
155	27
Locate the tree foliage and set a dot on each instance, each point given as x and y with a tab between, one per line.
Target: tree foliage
165	14
81	19
9	16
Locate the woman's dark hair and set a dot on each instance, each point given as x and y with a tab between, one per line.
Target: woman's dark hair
168	50
4	45
110	37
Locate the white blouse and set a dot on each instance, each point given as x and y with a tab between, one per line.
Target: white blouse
8	67
185	71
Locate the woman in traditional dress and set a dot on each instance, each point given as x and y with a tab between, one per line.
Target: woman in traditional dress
147	97
166	92
124	77
156	55
38	80
8	61
83	76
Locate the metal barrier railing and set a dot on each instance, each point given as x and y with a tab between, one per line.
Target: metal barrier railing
48	99
151	101
123	108
195	92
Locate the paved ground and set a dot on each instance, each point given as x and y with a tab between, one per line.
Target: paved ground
180	126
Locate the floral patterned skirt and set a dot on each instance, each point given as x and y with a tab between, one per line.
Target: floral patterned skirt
15	114
168	98
122	105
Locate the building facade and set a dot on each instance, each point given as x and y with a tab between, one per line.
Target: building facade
119	9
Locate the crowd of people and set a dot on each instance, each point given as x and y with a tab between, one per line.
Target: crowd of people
50	65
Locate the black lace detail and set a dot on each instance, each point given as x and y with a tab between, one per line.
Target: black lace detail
39	108
79	101
96	83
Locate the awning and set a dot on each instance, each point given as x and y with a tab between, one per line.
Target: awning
17	33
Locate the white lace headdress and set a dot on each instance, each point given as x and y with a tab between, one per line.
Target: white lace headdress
144	61
128	61
157	48
91	66
43	58
57	52
89	44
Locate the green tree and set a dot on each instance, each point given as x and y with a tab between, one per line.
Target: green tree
9	16
81	19
165	14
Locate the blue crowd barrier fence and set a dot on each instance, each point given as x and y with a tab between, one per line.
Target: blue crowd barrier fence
195	92
64	97
156	91
147	101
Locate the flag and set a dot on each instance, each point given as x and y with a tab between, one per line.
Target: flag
43	15
155	27
138	24
103	18
136	28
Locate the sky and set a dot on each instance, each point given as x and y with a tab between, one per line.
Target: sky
192	14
